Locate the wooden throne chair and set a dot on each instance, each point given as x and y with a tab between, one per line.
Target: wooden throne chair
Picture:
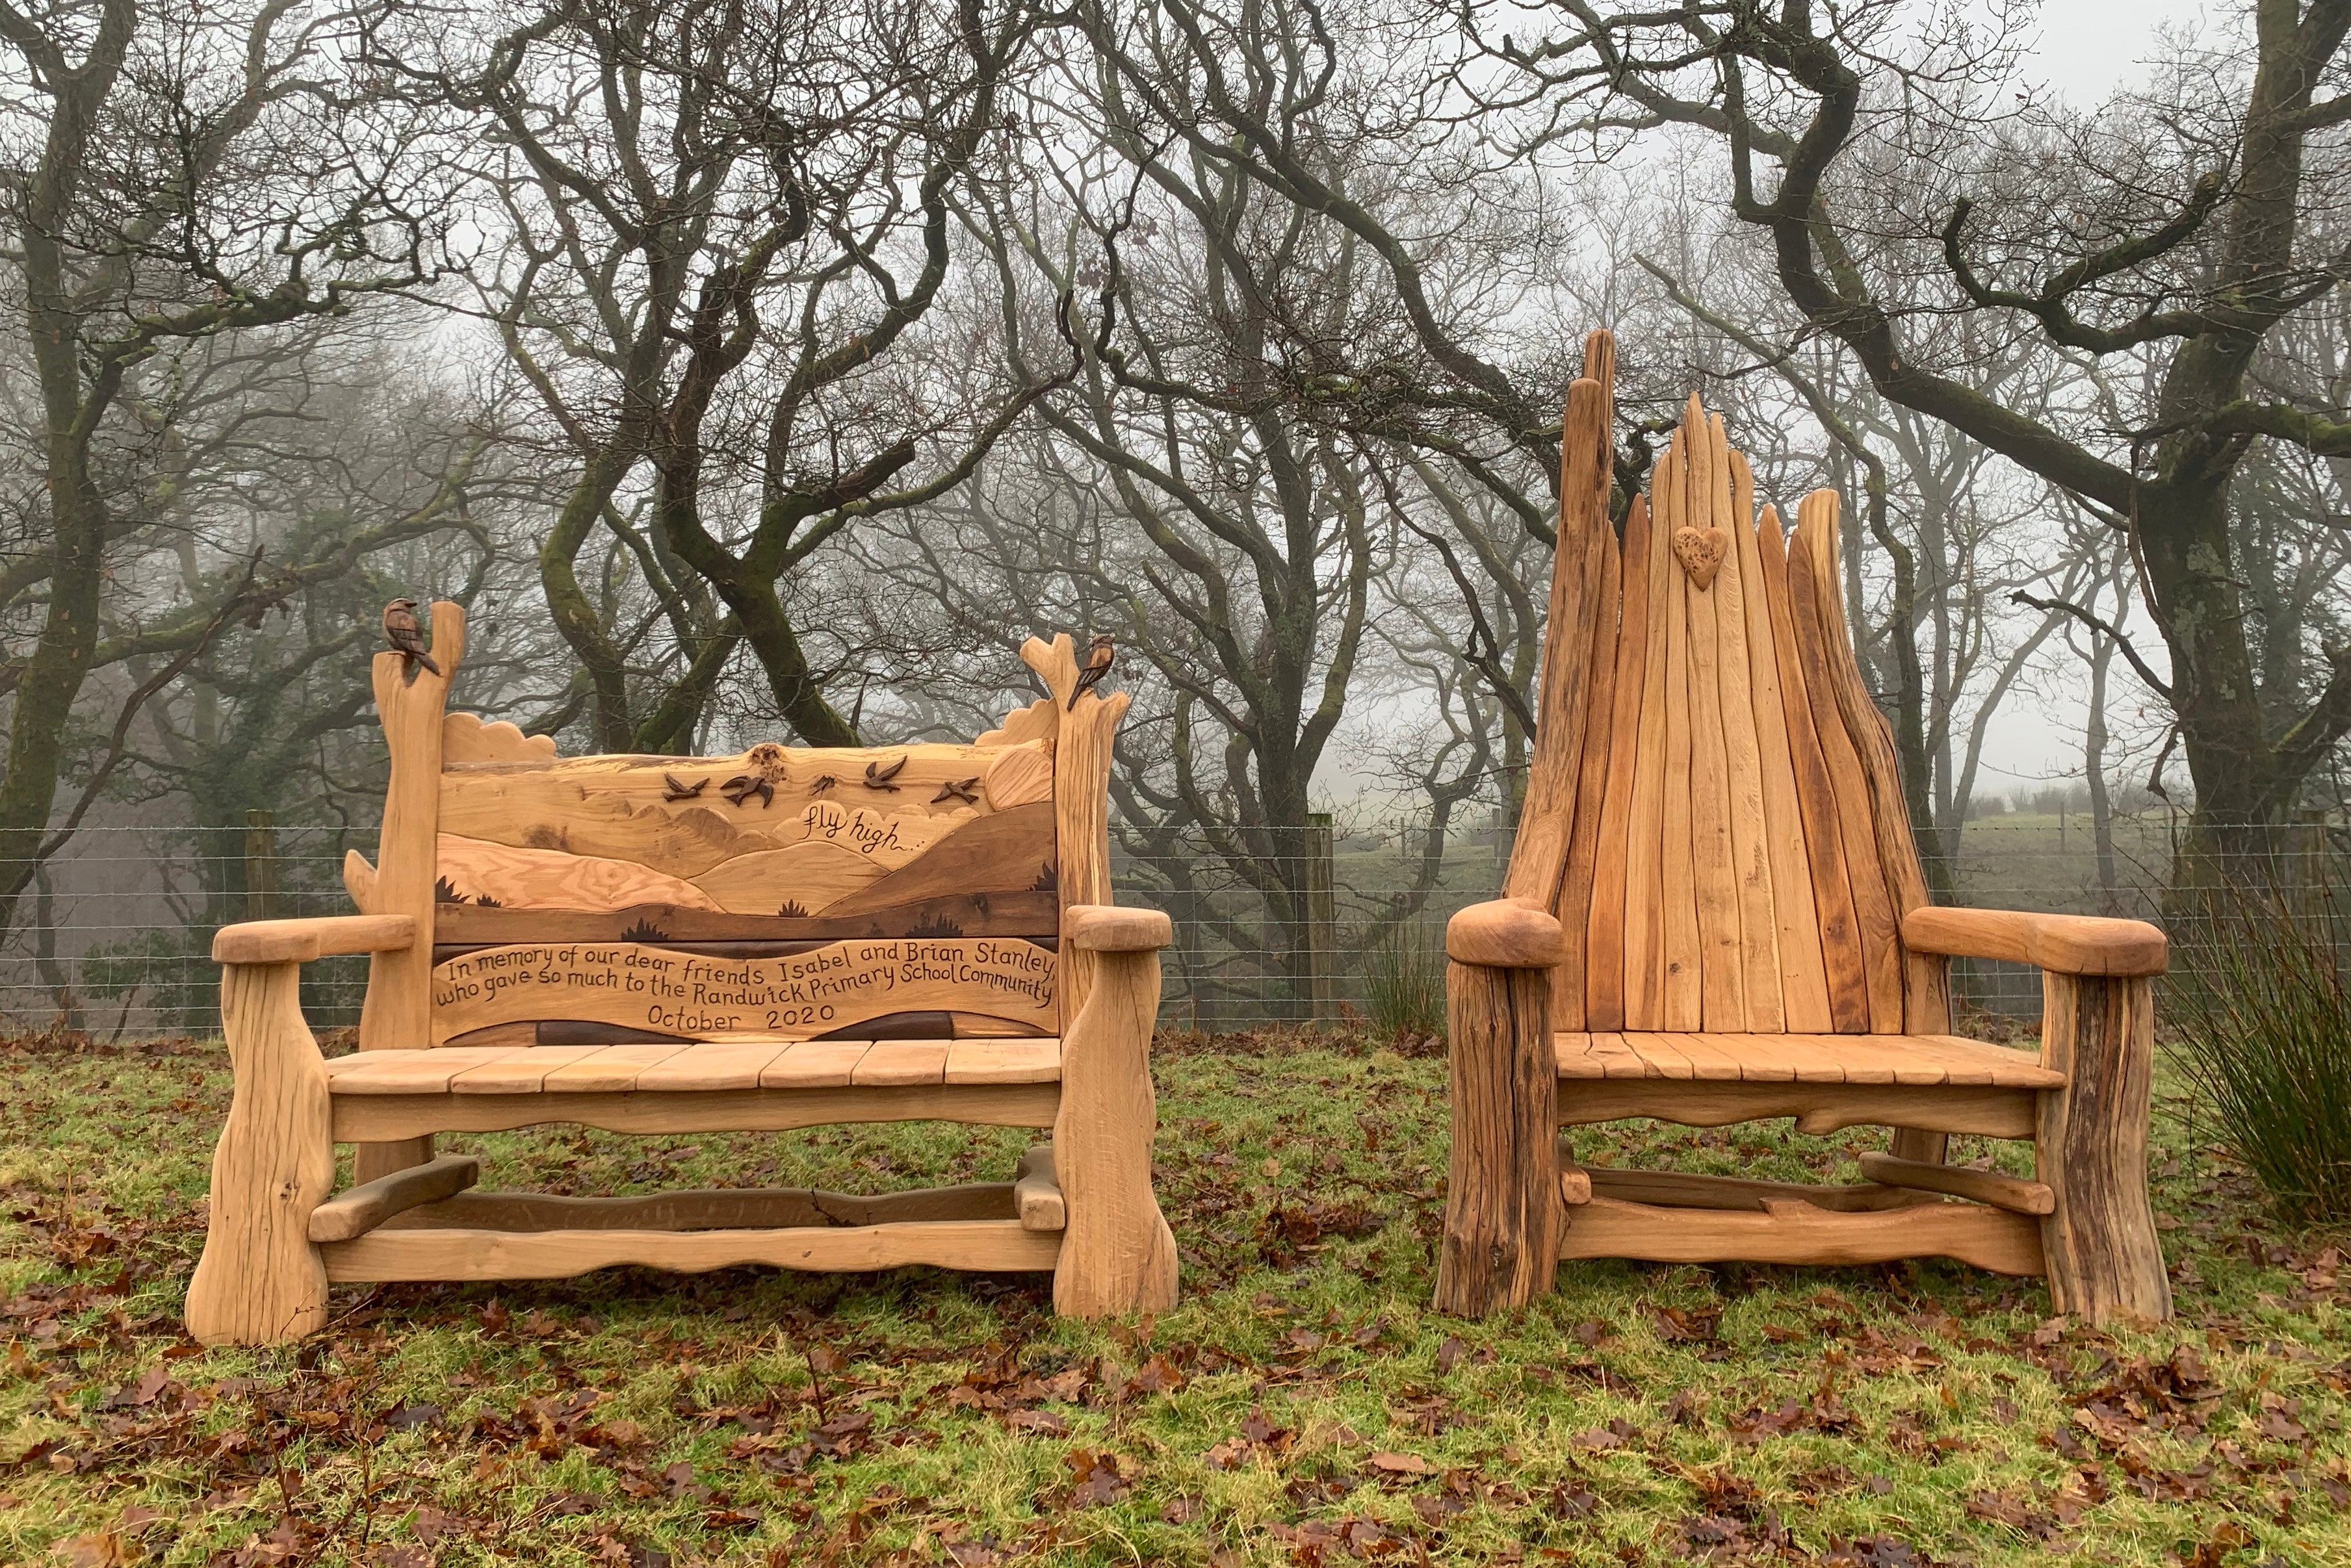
653	944
1714	913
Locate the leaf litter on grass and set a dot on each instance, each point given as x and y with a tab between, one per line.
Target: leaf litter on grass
1300	1405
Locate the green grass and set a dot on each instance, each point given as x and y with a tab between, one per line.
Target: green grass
1303	1404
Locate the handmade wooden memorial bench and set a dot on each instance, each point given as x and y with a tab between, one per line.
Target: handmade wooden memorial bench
1714	913
656	944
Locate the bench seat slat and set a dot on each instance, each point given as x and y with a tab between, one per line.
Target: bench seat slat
698	1067
1910	1060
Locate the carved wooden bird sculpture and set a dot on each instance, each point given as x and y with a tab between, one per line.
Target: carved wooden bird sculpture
404	636
879	778
1098	664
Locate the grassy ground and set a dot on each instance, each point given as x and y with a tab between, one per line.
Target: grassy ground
1303	1404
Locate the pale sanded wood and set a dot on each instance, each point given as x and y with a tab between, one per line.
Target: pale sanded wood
414	1072
304	938
1547	817
2106	1262
1803	978
522	1071
895	1062
360	1117
811	877
1926	979
409	700
613	1070
2069	944
1574	1186
1502	1209
1006	852
815	1065
1605	925
1875	929
966	1026
1081	760
437	1254
1680	978
1505	933
1036	724
2011	1193
1570	983
706	1066
1677	1190
1722	993
1117	1254
1107	928
1029	912
260	1280
1020	777
520	1036
618	807
502	875
359	881
464	738
1818	1108
1645	897
1036	1192
1795	1232
1750	854
822	991
361	1209
1919	1061
1004	1062
1844	969
708	1209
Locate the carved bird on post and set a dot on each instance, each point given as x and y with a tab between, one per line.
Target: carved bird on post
404	636
1098	662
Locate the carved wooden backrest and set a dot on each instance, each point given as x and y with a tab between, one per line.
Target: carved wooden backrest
780	893
1717	820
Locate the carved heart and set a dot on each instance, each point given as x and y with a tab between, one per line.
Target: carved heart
1700	552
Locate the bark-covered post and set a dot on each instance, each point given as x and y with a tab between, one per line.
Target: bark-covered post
2104	1261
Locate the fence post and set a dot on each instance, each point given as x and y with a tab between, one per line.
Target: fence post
1321	918
260	866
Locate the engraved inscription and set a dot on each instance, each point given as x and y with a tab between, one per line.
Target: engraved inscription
803	995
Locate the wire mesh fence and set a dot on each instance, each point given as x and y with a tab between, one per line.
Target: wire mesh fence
1321	923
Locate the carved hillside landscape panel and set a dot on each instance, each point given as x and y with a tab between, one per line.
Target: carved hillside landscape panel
777	856
826	989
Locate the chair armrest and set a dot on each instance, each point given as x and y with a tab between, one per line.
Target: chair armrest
1108	929
300	941
1506	933
2067	944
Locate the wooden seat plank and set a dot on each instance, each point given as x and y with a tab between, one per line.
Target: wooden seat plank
1004	1062
712	1066
815	1065
1715	1058
613	1070
417	1071
520	1071
894	1061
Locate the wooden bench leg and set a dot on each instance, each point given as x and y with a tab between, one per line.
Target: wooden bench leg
1502	1208
261	1281
2090	1140
1117	1254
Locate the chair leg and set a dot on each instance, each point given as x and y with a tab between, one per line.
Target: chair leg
1503	1212
1117	1256
261	1281
2090	1141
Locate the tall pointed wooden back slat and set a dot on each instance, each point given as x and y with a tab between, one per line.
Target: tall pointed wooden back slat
1714	815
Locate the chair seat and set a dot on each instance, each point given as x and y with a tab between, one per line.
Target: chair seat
1923	1060
696	1067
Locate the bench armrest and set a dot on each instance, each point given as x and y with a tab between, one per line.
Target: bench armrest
1109	928
2067	944
1506	933
317	935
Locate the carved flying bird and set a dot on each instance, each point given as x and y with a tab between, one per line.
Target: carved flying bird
1099	656
677	791
958	789
879	778
404	636
823	783
743	787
